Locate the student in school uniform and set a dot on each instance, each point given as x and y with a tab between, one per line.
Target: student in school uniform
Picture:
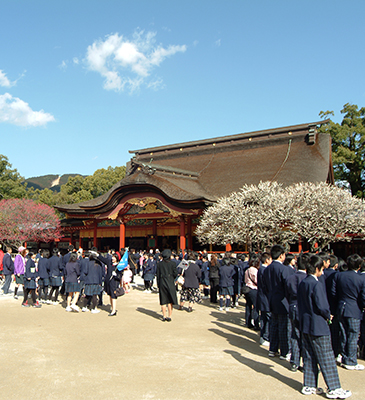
226	282
43	271
8	270
348	288
292	284
56	273
314	316
30	282
262	303
72	284
93	277
275	276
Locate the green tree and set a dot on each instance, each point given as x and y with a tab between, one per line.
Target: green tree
10	181
348	147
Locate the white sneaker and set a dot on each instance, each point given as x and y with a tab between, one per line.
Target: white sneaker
95	311
311	390
85	309
264	342
357	367
55	303
48	301
338	394
75	307
68	309
339	359
220	308
286	358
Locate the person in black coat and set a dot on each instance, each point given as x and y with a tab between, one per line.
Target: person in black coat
314	316
349	290
166	274
112	280
190	291
30	282
8	269
214	278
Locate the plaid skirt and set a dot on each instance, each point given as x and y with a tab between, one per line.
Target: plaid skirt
71	287
19	280
90	290
30	284
226	291
192	295
55	281
43	282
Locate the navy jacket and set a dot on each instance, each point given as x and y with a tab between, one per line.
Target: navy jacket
313	307
348	288
55	266
329	274
8	264
43	268
205	273
30	272
72	272
262	302
150	267
93	273
292	284
275	276
237	278
226	273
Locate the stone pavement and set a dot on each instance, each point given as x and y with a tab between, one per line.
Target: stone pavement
48	353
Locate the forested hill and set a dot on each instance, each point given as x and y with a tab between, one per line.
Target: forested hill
52	182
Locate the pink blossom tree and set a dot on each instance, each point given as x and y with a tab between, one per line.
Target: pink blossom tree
24	220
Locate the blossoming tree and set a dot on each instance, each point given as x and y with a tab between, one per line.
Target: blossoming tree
267	213
24	220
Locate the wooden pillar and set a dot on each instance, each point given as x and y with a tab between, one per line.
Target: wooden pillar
228	247
300	245
190	236
95	242
154	230
182	234
121	235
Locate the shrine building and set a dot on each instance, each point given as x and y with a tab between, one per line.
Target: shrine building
166	188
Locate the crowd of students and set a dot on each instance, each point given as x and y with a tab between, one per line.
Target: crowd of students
308	309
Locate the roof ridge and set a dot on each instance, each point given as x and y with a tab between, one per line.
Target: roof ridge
228	137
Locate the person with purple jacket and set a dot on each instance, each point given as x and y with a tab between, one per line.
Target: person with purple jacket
19	269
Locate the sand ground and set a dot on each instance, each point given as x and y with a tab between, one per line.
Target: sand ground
49	353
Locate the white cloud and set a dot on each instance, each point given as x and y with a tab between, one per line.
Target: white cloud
4	81
76	60
218	42
63	65
17	112
125	63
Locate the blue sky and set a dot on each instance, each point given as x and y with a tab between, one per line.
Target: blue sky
84	81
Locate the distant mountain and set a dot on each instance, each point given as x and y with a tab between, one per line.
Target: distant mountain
53	182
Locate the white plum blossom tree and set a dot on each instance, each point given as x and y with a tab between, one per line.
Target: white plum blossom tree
267	213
